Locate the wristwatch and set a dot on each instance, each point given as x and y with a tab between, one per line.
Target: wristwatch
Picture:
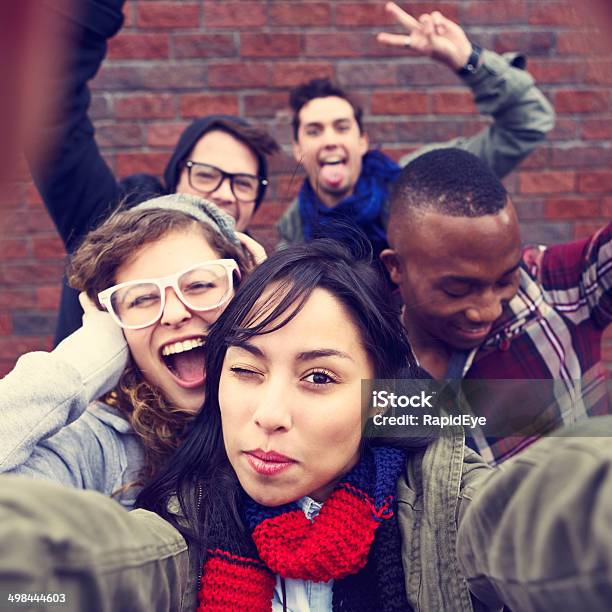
472	64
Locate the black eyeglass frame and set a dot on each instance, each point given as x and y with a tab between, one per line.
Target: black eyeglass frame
261	182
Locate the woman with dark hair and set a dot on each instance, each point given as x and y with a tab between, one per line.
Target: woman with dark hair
283	502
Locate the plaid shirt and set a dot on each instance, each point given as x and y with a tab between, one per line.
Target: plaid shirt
552	329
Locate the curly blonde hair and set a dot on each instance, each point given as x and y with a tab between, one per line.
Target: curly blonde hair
160	425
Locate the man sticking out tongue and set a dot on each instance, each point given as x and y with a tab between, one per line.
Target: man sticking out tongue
347	183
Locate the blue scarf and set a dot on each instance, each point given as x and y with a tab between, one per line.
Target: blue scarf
362	209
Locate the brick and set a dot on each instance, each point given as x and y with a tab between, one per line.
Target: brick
128	14
597	129
119	78
139	46
33	324
179	76
198	105
185	46
287	187
413	132
599	181
399	103
164	134
584	229
556	14
598	72
580	43
152	14
362	14
32	196
565	129
119	135
237	76
48	298
572	101
532	43
145	106
290	74
421	72
528	210
546	232
13	346
348	44
37	273
220	14
11	194
492	12
264	105
14	248
269	213
547	182
17	298
48	247
555	71
300	14
269	45
151	163
453	102
580	156
6	325
371	14
366	74
23	222
572	208
101	107
606	208
537	159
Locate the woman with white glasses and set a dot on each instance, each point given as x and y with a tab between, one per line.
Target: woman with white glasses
110	404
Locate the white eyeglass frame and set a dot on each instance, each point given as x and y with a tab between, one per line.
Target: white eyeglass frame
230	265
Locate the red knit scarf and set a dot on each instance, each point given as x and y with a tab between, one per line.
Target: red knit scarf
357	519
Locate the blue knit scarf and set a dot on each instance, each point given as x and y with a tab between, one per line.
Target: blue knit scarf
363	208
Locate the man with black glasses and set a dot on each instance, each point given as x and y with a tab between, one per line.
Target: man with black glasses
219	157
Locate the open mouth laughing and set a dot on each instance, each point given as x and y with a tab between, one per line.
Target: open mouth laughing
184	359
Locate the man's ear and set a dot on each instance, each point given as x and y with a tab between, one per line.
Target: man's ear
364	143
392	262
297	151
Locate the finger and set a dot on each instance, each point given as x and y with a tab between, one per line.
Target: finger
257	252
427	26
86	303
439	24
407	20
396	40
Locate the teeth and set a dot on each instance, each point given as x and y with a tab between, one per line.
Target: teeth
333	160
181	347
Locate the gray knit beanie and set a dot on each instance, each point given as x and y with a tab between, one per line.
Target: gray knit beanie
197	207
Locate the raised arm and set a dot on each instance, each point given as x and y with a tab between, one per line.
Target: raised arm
522	116
43	399
75	182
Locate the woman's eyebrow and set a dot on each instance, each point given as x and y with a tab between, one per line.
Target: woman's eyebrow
322	352
303	356
248	347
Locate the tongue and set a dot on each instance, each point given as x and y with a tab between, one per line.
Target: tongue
333	174
189	366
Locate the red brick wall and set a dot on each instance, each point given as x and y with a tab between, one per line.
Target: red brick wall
175	60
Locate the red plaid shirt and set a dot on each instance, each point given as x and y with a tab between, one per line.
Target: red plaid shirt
552	329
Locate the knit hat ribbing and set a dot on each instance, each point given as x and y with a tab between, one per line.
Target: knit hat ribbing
197	207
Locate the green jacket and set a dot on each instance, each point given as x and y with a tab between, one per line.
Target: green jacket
522	117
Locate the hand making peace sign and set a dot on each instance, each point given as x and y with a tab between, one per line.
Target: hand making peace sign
432	35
